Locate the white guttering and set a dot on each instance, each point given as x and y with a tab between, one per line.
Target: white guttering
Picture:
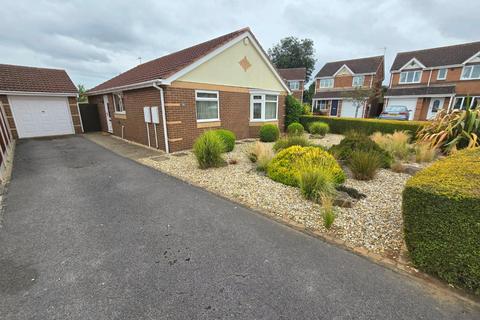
45	94
138	85
164	117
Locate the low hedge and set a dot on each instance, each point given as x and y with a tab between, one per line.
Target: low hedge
367	126
441	210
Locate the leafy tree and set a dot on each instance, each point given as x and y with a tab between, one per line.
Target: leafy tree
82	97
292	52
359	96
308	94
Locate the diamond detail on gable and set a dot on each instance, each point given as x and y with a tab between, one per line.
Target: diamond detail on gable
245	64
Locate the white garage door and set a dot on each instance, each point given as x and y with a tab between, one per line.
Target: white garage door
41	116
349	109
410	103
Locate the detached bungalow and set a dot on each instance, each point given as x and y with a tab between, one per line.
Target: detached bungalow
227	82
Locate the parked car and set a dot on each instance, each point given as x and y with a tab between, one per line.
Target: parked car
395	113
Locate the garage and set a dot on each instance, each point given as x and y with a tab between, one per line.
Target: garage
41	116
410	103
39	102
349	109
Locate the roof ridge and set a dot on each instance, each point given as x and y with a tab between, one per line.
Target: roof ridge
30	67
441	47
356	59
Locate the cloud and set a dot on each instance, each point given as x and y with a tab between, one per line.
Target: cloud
96	40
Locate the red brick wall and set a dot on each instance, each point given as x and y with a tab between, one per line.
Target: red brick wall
182	125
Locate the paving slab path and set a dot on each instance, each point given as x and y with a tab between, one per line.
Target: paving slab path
88	234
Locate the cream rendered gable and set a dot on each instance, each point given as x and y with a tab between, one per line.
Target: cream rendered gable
344	72
226	69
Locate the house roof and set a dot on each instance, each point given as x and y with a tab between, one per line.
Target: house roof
420	91
436	57
31	79
362	65
293	73
168	65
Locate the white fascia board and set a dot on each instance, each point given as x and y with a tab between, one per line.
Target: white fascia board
43	94
413	60
422	96
219	50
476	55
139	85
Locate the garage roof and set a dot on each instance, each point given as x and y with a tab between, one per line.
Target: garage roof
30	79
421	91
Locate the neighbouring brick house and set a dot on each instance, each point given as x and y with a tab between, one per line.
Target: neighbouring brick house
338	81
227	82
295	80
39	102
426	81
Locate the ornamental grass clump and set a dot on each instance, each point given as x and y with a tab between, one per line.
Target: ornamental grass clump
295	129
316	183
208	149
364	164
397	143
289	141
318	128
328	212
424	152
261	154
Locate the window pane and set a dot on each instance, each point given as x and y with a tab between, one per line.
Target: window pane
403	76
207	110
270	97
270	110
466	72
458	103
417	76
257	97
206	95
475	102
442	73
257	110
476	72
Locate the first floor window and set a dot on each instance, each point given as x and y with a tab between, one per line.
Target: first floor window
118	102
471	72
206	103
410	76
358	81
294	85
442	74
264	107
326	83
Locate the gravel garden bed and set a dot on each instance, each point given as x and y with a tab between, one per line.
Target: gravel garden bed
374	222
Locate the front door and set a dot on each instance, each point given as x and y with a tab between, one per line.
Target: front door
334	108
435	105
107	114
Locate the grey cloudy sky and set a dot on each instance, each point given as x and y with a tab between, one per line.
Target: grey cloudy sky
96	40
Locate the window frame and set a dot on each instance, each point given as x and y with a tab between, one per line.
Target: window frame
444	76
331	81
297	84
358	85
471	66
463	99
121	103
217	99
263	102
406	77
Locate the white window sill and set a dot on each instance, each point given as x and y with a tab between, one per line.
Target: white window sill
263	120
120	112
207	120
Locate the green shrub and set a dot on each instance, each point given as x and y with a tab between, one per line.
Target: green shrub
269	133
441	211
295	129
290	141
287	164
228	138
293	110
364	164
359	142
208	149
318	128
367	126
315	183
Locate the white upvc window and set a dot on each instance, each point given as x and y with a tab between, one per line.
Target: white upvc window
207	106
410	76
263	107
464	102
471	72
326	83
358	81
294	85
118	102
442	74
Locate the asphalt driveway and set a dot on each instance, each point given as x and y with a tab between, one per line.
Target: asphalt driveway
88	234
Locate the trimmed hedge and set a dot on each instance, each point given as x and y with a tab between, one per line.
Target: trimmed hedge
269	133
367	126
441	210
295	129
